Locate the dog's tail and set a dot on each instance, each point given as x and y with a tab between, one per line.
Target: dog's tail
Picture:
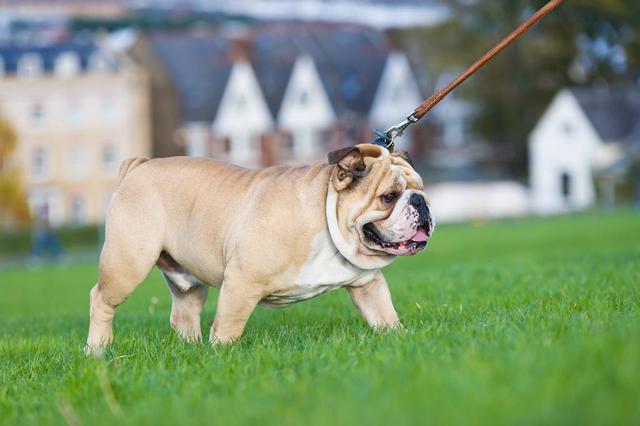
130	164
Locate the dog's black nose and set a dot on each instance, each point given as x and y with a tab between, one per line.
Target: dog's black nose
420	204
417	200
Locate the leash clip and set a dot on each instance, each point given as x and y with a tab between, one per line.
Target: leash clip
387	139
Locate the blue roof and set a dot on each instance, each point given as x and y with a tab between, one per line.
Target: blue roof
349	58
199	68
613	112
11	54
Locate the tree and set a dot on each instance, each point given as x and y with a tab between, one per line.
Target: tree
582	42
13	204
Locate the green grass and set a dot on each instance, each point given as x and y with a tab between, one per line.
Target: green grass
517	322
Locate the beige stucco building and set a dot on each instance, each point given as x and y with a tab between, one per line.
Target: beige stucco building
78	112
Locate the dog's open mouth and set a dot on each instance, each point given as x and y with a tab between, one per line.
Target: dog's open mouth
408	247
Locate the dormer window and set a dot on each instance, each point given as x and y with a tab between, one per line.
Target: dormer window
241	101
67	64
397	92
30	65
303	98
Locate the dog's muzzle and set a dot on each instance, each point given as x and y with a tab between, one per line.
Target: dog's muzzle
424	214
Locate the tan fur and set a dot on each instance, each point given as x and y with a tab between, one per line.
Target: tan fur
247	232
130	164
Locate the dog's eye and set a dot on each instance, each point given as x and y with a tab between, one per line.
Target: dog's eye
389	198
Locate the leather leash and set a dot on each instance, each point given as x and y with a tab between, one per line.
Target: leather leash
387	139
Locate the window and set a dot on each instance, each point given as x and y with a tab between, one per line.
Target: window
109	110
30	65
74	112
303	98
67	64
226	145
78	210
287	142
109	160
40	207
565	185
397	91
37	114
39	163
78	166
241	101
47	205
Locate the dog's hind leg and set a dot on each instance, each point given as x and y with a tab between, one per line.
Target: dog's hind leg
189	296
132	247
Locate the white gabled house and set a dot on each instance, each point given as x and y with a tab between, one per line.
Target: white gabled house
306	112
397	94
562	147
243	117
584	142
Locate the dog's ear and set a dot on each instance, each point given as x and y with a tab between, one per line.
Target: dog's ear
405	156
349	164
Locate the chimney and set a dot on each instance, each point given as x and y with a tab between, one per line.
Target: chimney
240	44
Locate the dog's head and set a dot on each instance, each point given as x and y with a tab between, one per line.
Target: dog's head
376	206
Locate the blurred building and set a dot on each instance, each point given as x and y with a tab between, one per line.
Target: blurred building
280	93
78	110
291	92
375	13
44	8
586	146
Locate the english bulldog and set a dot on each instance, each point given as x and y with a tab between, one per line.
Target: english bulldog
274	236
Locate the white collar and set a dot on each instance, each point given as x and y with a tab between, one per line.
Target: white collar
350	250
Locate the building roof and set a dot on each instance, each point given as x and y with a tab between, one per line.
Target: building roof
273	55
614	113
199	67
351	66
11	53
349	59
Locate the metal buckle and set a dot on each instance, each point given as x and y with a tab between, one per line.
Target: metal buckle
387	139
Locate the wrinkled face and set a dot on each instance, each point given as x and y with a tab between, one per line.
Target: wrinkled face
381	204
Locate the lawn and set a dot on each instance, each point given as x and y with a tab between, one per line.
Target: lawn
516	322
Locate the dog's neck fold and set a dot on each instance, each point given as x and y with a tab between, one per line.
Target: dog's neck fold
350	249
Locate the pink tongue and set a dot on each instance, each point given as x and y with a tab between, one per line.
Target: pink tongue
421	235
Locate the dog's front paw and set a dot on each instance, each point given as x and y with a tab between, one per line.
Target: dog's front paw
221	340
388	327
94	351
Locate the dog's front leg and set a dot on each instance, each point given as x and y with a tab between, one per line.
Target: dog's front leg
373	300
235	304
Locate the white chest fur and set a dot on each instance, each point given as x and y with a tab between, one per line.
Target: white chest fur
325	269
